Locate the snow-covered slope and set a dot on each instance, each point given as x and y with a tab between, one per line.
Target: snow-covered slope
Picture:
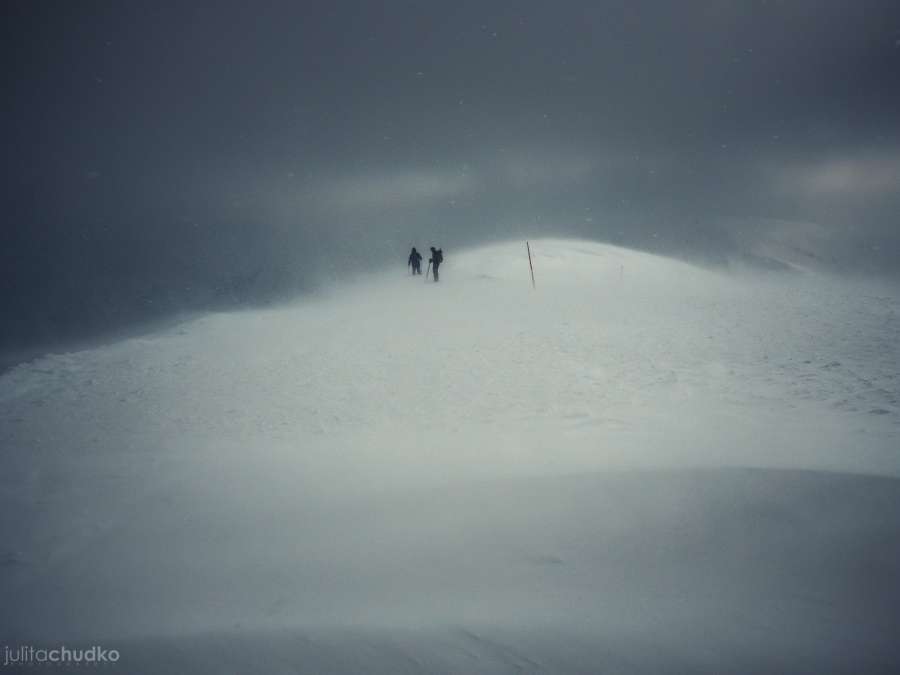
621	470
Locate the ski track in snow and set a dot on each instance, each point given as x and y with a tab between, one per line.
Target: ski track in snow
216	436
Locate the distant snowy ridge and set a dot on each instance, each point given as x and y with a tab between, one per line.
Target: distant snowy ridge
614	344
472	475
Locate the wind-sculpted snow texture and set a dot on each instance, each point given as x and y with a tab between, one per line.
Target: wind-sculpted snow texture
640	466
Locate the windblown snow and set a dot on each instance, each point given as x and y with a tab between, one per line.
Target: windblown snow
640	465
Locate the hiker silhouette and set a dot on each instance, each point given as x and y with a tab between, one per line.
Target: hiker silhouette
437	257
415	261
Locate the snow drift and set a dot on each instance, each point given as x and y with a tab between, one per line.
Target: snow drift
640	466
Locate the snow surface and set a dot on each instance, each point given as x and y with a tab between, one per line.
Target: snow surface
640	466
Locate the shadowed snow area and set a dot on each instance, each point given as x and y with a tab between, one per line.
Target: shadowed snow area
638	466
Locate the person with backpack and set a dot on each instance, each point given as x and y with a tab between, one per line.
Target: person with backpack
415	261
437	257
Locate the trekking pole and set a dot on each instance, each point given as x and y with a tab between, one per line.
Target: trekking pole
530	266
428	270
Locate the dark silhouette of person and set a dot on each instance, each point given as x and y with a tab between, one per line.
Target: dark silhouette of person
415	261
437	257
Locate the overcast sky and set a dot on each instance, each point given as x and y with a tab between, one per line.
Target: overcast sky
162	156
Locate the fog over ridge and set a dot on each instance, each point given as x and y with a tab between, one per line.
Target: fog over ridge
163	159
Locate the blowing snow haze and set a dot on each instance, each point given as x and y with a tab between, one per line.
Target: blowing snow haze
237	435
162	157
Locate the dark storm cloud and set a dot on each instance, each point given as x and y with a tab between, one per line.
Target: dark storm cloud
185	155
